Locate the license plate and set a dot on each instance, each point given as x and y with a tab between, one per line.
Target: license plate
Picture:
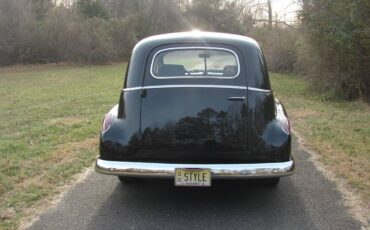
192	177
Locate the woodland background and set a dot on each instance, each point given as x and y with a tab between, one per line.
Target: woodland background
328	44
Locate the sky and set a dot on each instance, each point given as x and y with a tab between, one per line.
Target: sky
285	9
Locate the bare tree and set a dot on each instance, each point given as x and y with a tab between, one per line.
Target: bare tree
269	12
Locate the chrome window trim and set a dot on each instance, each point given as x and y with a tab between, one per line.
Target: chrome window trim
197	86
194	77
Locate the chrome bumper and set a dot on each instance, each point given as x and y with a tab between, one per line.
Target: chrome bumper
167	170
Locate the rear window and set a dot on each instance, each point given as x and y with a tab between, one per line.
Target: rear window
195	62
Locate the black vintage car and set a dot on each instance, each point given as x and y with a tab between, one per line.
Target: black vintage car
195	107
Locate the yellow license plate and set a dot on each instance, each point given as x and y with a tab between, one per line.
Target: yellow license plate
192	177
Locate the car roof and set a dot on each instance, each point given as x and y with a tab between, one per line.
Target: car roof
197	36
247	47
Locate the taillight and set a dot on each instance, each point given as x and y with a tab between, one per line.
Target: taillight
106	122
285	125
283	120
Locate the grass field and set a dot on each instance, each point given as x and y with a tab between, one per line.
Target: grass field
50	117
338	130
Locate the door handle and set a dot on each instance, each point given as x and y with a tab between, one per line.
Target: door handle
236	98
143	93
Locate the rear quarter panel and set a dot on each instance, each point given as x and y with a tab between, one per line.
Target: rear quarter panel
266	137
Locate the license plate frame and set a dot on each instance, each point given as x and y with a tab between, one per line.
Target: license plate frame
193	177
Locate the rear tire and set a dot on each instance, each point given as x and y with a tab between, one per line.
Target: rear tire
269	182
128	180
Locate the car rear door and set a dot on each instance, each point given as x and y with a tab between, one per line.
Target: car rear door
197	114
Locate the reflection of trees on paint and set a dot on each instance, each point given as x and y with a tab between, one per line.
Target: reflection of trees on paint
227	128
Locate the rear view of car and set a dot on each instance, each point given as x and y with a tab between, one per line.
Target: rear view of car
196	107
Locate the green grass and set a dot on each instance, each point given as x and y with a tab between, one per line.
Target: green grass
50	116
338	130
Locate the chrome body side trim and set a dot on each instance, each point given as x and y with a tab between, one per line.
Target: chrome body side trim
198	77
167	170
197	86
259	90
132	89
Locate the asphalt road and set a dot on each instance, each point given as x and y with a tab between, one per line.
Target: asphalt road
305	200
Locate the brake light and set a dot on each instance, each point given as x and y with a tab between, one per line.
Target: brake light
285	125
283	120
106	122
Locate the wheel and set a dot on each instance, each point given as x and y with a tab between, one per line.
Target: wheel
128	180
269	182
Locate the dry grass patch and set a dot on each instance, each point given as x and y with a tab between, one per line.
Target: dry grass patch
67	121
67	152
295	114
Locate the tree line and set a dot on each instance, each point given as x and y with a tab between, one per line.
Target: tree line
96	31
329	44
335	52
